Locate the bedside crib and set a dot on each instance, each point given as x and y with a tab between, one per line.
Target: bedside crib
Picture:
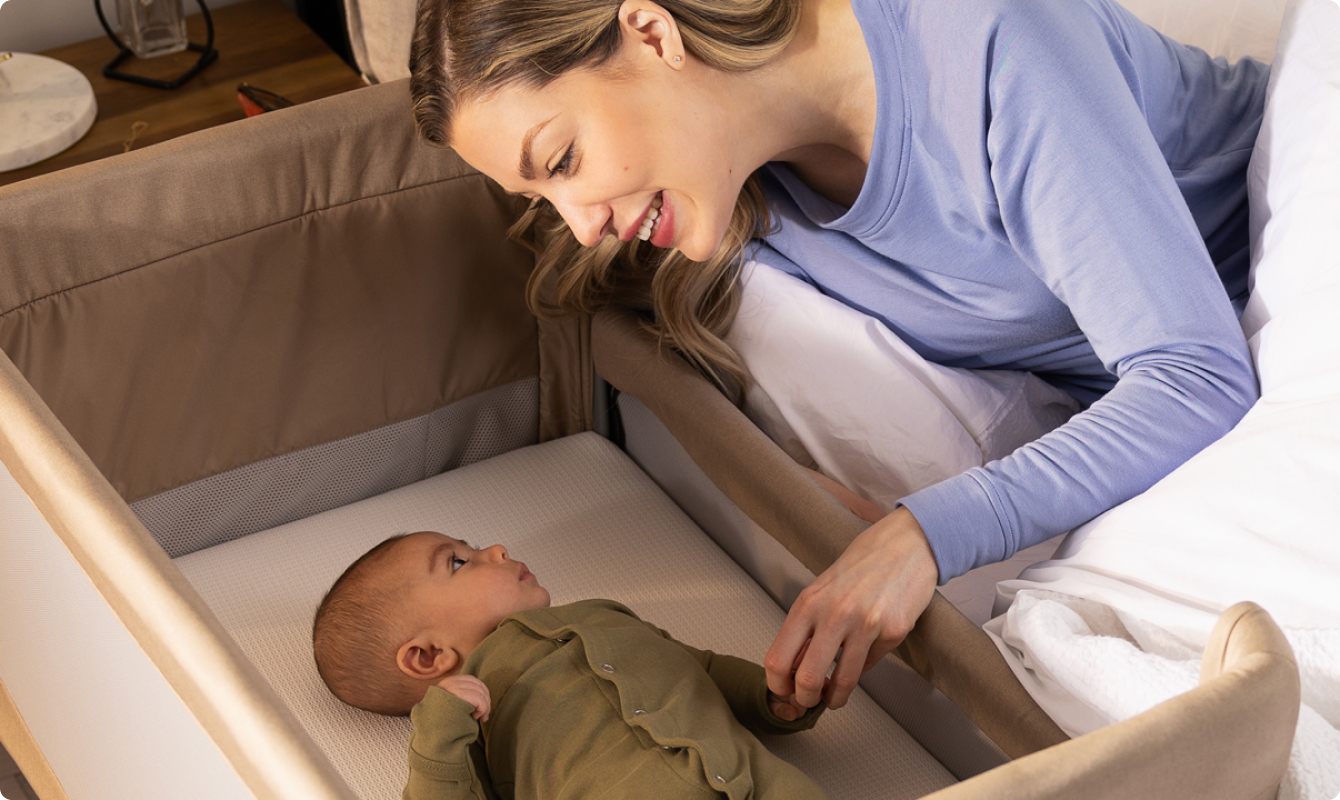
214	345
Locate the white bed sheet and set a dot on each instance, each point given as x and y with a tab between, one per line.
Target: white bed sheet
840	392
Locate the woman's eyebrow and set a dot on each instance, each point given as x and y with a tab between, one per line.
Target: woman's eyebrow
527	163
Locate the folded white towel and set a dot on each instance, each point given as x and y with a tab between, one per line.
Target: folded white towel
1090	665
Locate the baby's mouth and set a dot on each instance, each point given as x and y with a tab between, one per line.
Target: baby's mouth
652	221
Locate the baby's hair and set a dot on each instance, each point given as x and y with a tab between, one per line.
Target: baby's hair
357	630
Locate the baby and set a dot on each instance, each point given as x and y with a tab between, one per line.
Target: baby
581	700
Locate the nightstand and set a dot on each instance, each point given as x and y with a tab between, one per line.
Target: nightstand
261	42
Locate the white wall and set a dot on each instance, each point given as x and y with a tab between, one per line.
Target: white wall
30	26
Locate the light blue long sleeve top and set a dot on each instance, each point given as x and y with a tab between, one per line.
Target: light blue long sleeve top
1054	187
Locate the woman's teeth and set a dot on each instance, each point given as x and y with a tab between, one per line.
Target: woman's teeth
649	222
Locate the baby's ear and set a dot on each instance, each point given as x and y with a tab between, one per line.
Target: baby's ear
424	660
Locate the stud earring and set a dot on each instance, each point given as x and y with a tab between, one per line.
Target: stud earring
678	59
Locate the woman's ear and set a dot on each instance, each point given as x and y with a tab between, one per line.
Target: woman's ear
423	660
647	24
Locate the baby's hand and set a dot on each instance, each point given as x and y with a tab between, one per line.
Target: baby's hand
785	707
470	689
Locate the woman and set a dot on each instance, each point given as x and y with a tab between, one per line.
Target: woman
1030	184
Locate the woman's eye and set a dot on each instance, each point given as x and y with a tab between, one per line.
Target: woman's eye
564	163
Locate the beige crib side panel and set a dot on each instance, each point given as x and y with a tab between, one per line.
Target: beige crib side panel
114	666
261	287
19	742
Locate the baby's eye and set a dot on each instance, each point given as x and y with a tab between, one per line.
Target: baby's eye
457	562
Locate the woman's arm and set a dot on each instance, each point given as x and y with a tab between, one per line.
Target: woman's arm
1087	199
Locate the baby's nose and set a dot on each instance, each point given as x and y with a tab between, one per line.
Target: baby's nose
496	553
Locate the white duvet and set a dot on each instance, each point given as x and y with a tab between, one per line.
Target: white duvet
1116	622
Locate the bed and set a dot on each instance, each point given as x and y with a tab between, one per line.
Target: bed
233	360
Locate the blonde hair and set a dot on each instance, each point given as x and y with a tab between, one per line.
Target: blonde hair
464	49
356	634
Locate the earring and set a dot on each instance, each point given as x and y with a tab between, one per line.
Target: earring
677	59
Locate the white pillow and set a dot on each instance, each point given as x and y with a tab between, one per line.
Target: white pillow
1294	188
839	391
379	36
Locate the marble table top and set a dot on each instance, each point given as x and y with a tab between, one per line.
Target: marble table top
45	106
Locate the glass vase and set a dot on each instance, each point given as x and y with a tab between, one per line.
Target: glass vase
152	27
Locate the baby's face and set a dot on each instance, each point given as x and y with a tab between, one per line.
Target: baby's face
450	585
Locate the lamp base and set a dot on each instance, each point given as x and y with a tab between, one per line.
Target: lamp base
50	106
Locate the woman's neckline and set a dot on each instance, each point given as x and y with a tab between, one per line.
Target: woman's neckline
882	184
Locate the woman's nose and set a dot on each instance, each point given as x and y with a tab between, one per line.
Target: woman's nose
588	222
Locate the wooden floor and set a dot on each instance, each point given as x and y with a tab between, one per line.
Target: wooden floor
12	784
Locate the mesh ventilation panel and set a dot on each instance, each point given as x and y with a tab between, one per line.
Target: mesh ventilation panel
306	482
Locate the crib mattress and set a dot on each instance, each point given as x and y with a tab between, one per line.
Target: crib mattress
589	523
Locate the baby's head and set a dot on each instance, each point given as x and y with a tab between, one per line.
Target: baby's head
409	612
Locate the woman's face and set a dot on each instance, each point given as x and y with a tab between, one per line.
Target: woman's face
608	146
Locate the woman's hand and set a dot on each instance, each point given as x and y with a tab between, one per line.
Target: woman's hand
472	690
863	605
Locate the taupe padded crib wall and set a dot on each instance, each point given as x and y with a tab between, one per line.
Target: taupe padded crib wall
175	331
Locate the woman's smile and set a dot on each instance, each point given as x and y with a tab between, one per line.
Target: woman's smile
655	225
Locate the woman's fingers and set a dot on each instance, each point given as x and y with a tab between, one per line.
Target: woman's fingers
812	672
785	655
850	666
861	607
